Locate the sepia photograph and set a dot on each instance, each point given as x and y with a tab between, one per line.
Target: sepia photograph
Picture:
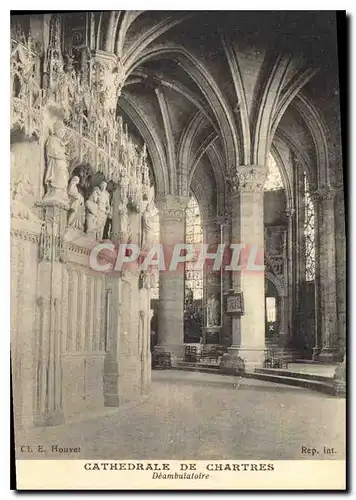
178	250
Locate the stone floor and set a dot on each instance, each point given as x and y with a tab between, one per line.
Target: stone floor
312	369
193	415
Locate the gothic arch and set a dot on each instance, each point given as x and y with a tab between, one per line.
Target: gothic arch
199	74
317	129
151	139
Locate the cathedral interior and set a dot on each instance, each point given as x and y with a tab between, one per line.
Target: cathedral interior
169	127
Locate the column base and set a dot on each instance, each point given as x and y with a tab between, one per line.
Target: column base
49	419
339	381
327	355
316	353
240	360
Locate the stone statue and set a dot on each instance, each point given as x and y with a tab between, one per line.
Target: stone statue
213	311
56	177
189	296
150	222
76	199
92	210
103	207
123	217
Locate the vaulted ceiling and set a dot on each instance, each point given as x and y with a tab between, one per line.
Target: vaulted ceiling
208	91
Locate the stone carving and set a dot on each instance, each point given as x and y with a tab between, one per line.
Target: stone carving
110	77
103	208
76	213
251	178
189	297
213	311
25	87
148	279
20	189
85	100
91	206
124	224
172	207
324	194
150	222
56	176
290	212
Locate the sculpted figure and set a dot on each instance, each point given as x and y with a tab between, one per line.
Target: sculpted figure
150	221
213	311
76	212
124	223
103	207
92	210
56	177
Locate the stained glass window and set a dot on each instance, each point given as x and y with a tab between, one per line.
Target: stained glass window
274	179
193	234
309	232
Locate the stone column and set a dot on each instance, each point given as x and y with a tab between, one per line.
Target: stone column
49	407
327	274
248	331
212	278
288	273
340	268
171	295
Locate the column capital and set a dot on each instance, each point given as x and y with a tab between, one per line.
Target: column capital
249	178
108	78
172	206
290	213
326	193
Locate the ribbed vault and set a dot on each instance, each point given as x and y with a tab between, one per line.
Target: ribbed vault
217	90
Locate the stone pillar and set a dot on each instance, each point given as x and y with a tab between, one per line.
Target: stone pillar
340	269
327	274
212	280
122	321
145	331
49	407
290	213
171	295
318	343
248	331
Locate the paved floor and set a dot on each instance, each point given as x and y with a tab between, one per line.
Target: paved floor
204	416
312	369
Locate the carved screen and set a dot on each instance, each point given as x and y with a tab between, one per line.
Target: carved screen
309	232
193	234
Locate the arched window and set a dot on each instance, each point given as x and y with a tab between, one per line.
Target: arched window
309	232
274	179
193	234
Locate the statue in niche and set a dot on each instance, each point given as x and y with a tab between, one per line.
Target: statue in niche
150	222
124	222
56	176
213	311
68	86
92	206
111	83
189	297
76	199
103	208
